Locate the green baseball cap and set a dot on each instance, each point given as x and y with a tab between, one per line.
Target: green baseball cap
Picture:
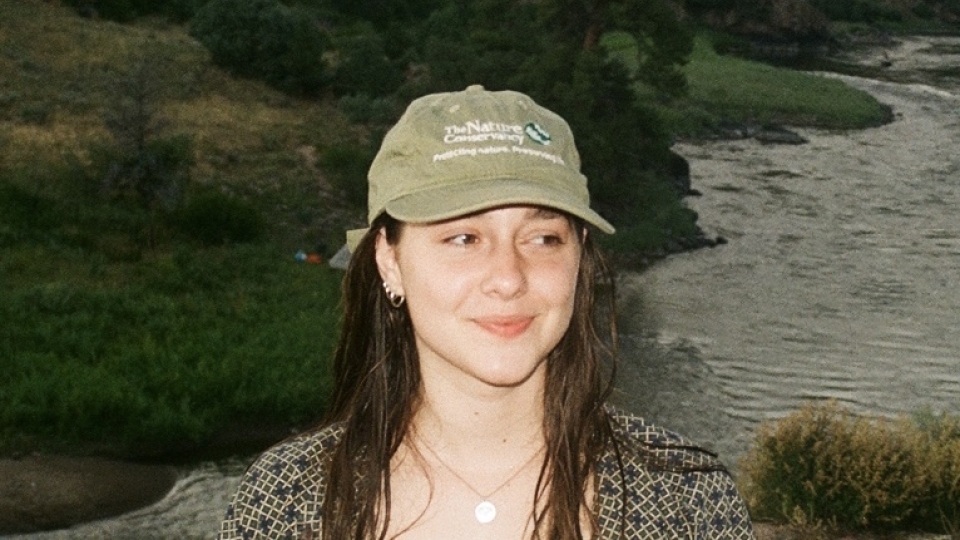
456	153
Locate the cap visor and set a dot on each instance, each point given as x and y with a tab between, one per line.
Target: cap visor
450	201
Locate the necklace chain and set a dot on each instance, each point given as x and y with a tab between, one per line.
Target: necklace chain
468	484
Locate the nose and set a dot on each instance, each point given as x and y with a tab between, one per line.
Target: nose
506	273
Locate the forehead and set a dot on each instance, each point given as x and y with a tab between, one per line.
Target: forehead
528	212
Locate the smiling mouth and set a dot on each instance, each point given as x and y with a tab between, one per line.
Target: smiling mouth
506	327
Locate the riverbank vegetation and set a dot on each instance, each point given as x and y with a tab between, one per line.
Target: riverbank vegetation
151	358
750	92
826	469
152	194
725	91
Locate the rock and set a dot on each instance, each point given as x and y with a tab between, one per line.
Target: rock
778	135
730	130
771	134
51	492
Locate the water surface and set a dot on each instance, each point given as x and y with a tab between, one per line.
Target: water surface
839	280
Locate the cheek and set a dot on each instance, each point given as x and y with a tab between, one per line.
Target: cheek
432	286
566	281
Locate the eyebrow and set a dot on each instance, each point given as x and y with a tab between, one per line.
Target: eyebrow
543	212
537	212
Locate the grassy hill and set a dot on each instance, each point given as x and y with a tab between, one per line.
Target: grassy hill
62	74
119	339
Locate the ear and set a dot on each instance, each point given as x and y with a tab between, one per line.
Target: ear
387	264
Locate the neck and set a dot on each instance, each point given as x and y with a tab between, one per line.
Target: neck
481	419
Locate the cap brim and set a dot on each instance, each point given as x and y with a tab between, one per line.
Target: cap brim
474	196
448	202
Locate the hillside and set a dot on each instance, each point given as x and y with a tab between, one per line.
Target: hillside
62	74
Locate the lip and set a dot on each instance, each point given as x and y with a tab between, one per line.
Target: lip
505	327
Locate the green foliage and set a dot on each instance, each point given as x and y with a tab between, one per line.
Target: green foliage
824	466
346	165
161	361
37	114
215	218
664	43
22	214
363	66
868	11
142	164
155	176
53	206
940	464
264	39
744	9
375	112
741	90
128	10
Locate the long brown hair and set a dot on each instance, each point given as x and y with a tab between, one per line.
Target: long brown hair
377	379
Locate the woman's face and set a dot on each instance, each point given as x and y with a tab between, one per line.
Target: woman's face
489	294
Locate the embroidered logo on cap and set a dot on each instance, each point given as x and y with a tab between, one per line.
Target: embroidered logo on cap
537	134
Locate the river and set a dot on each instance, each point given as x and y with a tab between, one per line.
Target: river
839	281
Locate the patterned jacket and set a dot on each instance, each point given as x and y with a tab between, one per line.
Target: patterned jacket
660	487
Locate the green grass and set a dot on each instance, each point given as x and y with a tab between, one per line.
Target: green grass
160	355
120	335
743	90
730	89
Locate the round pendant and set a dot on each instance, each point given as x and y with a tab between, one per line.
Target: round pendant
485	512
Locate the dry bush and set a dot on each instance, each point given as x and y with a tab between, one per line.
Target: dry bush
940	466
826	466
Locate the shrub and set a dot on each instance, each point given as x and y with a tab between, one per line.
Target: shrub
143	164
363	66
21	209
37	114
154	176
346	165
214	218
128	10
941	467
263	39
825	466
869	11
377	113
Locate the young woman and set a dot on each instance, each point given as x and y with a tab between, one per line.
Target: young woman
473	368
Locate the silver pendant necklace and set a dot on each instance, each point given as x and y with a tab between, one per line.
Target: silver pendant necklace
485	511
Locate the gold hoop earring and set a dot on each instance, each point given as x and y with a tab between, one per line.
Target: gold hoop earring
395	299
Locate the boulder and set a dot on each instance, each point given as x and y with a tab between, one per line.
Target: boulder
778	135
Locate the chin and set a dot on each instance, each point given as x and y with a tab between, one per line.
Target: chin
510	376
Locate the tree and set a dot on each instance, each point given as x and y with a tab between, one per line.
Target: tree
546	50
663	42
144	164
363	65
266	40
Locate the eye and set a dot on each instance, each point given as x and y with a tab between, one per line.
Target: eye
462	239
548	239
